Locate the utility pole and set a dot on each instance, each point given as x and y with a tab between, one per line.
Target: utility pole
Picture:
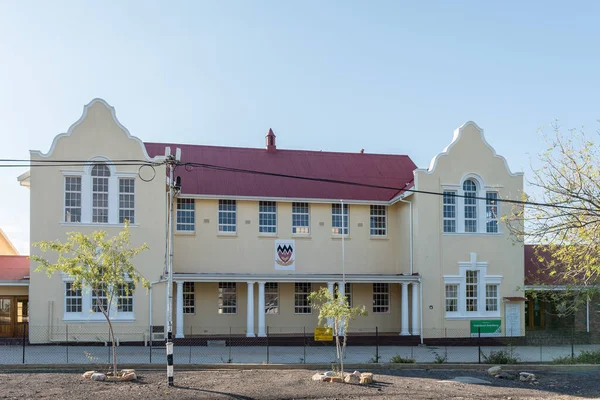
174	187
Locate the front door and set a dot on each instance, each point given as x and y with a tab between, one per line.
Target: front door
534	313
14	316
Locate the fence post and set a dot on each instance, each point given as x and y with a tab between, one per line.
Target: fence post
229	361
572	342
377	344
304	342
23	342
479	343
67	337
150	344
267	344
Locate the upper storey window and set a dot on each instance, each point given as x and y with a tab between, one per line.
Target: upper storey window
470	207
99	195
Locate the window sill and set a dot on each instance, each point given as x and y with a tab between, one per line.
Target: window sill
185	233
472	234
469	317
227	235
339	237
109	225
301	236
268	235
374	237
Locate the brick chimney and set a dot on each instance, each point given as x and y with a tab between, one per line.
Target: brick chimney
270	140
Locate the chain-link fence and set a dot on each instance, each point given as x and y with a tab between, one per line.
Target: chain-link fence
84	344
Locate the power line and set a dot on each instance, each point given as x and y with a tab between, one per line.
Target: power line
397	189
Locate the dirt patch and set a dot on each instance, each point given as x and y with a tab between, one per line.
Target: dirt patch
297	384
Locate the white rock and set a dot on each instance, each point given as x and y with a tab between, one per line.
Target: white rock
88	374
329	373
526	377
352	378
493	371
318	377
98	377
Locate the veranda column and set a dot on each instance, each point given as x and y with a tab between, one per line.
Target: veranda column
261	309
415	309
330	288
179	310
250	311
404	325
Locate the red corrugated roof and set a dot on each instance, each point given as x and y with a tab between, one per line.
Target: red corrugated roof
374	169
14	268
537	271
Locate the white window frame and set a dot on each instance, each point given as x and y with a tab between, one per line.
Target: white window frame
491	212
189	297
69	206
481	194
86	193
103	180
267	217
226	211
304	307
87	314
456	291
226	289
345	213
492	299
74	295
449	208
483	280
298	212
347	291
185	216
271	298
377	218
383	295
130	196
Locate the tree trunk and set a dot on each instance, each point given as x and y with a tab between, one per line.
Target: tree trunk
114	344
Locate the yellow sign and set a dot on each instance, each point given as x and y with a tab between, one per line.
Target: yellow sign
323	334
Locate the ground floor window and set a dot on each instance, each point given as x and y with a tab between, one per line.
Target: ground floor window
227	299
271	298
347	292
189	300
301	292
381	298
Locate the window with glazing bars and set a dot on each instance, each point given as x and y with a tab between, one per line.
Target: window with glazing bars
267	217
189	298
125	297
227	216
73	299
449	211
491	212
491	297
451	298
100	176
72	199
470	199
472	290
378	220
271	298
381	297
347	292
227	300
127	200
301	292
339	219
99	299
300	218
186	215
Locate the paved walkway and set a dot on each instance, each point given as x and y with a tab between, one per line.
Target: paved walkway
60	354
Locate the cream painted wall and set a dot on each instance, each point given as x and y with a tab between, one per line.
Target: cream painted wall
98	134
437	254
320	252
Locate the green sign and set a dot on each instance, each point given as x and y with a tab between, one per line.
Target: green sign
487	327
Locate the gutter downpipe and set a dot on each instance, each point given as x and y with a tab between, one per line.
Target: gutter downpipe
410	240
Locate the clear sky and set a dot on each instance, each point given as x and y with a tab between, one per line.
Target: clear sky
386	76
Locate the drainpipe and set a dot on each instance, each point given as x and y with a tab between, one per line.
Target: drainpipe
421	307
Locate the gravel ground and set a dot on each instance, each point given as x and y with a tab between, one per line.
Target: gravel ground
297	384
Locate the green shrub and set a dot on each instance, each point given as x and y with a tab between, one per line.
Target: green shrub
506	356
584	357
398	359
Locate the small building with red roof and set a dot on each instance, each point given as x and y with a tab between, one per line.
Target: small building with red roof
14	289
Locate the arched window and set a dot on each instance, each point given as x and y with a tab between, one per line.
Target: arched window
100	176
470	199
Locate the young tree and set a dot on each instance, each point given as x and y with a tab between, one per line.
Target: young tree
564	221
335	310
100	264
